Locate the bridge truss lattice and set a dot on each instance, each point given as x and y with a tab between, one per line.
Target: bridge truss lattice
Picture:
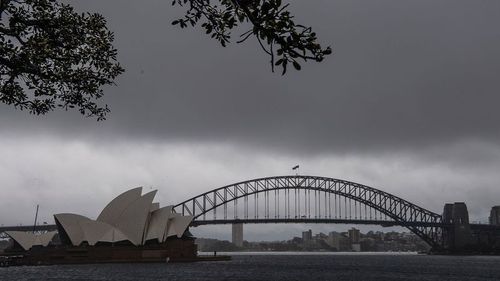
310	199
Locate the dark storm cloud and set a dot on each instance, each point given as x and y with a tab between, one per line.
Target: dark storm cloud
405	74
407	104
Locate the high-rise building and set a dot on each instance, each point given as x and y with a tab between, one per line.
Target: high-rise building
354	235
238	234
307	235
338	241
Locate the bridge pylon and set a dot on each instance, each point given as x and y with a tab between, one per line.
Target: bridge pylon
237	234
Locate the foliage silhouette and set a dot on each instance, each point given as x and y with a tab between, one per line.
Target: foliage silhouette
272	24
51	56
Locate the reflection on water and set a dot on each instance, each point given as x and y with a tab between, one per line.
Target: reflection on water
280	266
309	253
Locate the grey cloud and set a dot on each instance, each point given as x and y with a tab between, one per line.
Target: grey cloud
404	75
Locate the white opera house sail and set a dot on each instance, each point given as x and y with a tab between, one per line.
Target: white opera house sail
130	228
130	217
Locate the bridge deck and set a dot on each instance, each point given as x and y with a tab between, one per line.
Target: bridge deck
384	223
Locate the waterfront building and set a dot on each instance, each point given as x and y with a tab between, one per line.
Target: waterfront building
356	247
338	241
131	228
307	235
354	235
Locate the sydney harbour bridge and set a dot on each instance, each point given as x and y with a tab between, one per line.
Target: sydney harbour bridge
313	199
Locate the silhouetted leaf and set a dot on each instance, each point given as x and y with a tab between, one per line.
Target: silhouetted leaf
296	65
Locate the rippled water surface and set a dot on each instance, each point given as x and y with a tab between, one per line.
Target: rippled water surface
279	267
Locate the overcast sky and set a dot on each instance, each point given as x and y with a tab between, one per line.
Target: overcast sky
408	104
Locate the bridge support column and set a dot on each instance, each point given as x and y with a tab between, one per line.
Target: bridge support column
495	216
237	234
457	236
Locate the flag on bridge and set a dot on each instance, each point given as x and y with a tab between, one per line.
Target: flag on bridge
295	168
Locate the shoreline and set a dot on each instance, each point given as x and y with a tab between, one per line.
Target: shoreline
300	253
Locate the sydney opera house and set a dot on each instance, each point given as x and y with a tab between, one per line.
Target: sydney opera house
131	228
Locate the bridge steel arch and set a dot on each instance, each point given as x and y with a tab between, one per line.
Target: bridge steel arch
424	223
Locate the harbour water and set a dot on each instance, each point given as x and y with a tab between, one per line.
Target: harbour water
280	266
